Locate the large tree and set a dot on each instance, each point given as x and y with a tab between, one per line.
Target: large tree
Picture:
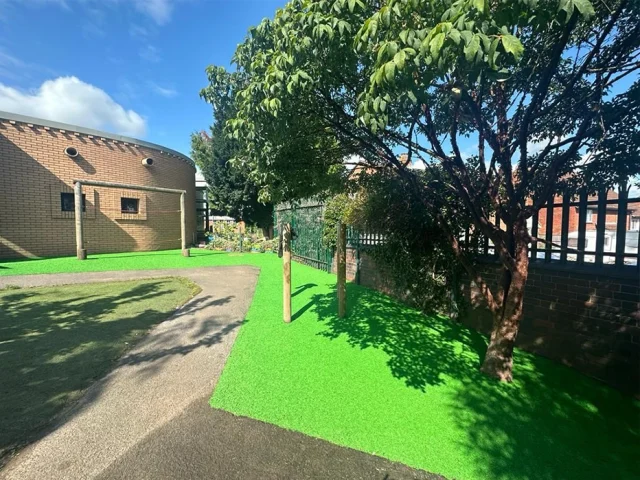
327	79
232	191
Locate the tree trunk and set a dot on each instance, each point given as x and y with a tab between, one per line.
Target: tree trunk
498	362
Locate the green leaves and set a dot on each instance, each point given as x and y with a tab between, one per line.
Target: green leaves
399	59
471	49
389	71
513	46
480	5
436	44
584	8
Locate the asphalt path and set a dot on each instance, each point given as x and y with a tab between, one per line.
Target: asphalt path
150	418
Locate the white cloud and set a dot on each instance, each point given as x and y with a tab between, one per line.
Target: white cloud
159	10
8	60
17	70
70	100
163	91
10	65
138	31
150	54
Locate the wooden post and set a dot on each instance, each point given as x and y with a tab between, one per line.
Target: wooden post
286	271
80	250
183	226
342	269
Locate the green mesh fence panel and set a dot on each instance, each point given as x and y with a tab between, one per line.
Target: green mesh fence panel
307	224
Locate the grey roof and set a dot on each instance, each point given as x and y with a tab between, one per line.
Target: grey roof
90	131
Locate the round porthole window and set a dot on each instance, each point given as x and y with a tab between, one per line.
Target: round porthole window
147	161
71	152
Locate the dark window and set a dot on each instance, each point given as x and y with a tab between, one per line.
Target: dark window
67	202
129	205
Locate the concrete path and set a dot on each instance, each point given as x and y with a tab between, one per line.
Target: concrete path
150	419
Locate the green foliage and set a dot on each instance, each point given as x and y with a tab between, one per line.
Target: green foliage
232	190
336	210
415	254
227	238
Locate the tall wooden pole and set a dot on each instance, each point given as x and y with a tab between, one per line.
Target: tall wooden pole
80	250
183	226
342	269
286	272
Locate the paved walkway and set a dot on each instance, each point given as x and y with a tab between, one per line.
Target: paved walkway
150	419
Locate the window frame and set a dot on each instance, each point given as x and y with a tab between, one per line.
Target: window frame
64	195
130	199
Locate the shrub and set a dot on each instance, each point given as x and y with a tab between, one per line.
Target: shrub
415	254
336	210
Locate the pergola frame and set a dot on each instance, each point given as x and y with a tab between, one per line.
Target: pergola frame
81	251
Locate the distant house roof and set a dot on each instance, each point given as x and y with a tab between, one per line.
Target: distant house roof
15	117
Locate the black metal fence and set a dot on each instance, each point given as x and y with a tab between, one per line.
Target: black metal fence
598	231
591	231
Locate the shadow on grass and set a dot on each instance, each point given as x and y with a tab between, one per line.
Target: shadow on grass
550	423
53	346
302	288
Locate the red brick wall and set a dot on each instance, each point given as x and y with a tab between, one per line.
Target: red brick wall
588	321
34	171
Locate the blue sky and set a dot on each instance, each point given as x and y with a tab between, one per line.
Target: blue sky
133	67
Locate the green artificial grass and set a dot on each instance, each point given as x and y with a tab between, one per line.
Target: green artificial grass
391	381
55	341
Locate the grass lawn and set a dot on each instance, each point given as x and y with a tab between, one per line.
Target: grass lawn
391	381
55	341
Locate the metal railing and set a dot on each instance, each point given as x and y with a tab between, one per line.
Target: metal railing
599	230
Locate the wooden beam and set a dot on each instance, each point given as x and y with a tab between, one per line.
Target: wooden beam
95	183
341	253
286	272
127	186
80	250
183	226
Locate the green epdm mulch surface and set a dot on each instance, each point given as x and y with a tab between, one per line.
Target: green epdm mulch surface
391	381
56	341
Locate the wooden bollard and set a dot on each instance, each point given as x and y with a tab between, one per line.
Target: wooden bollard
183	226
341	251
81	252
286	272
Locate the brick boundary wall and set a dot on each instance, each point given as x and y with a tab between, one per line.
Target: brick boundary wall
589	321
34	172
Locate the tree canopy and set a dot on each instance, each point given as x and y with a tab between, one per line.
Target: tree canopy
232	192
541	90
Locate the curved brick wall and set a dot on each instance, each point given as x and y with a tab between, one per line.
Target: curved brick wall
34	171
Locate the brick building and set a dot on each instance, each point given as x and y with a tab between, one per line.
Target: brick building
39	160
